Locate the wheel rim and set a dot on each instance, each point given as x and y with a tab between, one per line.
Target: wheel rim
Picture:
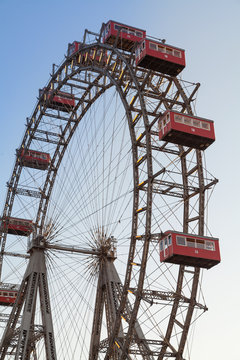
152	180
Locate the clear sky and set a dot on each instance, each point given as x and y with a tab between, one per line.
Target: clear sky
35	34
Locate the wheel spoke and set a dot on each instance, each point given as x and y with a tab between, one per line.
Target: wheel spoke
98	209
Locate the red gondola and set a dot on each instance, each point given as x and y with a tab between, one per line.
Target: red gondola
128	35
8	294
92	54
186	130
73	47
16	226
35	159
161	57
61	101
187	249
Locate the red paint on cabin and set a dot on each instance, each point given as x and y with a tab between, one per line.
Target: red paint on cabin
8	297
186	130
128	35
161	57
73	47
61	101
35	159
16	226
188	249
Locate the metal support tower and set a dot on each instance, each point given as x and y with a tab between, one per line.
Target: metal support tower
34	283
162	176
109	293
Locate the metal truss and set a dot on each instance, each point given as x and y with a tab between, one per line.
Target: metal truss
144	95
22	340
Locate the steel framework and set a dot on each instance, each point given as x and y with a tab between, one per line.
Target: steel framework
162	175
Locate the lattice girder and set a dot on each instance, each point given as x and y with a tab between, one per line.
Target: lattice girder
160	171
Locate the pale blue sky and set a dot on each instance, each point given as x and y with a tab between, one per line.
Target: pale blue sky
35	34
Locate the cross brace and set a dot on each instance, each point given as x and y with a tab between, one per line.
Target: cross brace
34	282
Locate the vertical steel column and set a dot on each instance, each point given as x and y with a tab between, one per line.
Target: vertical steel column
34	280
108	292
36	277
97	318
23	350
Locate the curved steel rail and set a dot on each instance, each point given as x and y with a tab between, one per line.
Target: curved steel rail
118	70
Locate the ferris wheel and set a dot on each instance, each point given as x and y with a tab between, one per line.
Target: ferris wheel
104	231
